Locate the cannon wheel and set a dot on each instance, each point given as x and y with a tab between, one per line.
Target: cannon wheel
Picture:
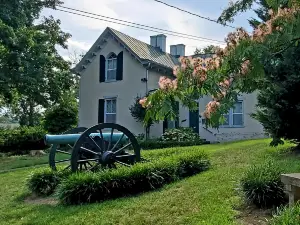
90	154
55	148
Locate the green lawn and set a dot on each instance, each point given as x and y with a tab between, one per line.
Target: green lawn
207	198
16	162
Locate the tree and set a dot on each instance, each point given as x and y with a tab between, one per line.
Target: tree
62	116
238	68
33	75
138	112
210	49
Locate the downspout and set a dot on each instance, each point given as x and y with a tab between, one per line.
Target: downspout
147	130
147	77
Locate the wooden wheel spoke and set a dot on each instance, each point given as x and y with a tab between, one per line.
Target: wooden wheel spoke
63	160
110	139
64	152
124	164
119	150
102	139
117	142
87	160
90	151
129	156
91	141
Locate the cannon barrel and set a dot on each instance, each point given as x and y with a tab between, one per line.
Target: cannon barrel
72	138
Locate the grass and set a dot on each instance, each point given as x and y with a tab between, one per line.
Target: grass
207	198
20	161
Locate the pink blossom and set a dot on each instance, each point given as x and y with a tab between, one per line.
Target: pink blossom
142	101
175	70
245	67
166	83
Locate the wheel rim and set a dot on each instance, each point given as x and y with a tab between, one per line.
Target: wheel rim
56	148
113	145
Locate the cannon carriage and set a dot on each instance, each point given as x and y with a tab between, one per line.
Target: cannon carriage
104	145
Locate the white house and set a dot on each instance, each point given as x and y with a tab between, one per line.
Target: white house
118	67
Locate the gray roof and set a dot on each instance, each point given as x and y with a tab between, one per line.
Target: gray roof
145	51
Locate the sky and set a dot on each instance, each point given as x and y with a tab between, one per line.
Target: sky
85	31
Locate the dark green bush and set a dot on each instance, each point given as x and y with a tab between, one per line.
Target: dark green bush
44	181
156	144
182	134
262	185
21	140
60	118
95	187
287	216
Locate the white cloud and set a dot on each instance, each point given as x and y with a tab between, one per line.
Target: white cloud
86	30
79	44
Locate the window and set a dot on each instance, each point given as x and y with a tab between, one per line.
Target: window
110	111
234	118
111	72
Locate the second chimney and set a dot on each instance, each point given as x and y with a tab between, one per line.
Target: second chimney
177	50
159	41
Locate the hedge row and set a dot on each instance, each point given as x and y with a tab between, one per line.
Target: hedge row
21	140
87	187
95	187
154	144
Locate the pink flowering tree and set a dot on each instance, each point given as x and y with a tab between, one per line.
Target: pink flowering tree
236	69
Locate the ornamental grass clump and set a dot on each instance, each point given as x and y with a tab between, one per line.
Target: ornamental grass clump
287	216
43	182
262	185
88	187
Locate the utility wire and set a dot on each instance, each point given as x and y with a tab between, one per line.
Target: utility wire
172	33
194	14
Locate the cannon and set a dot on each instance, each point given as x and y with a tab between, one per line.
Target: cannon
105	145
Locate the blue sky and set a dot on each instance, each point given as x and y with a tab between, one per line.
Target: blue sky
85	31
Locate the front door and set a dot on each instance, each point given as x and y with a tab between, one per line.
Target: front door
194	119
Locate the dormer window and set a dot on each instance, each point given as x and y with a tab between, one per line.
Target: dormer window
111	72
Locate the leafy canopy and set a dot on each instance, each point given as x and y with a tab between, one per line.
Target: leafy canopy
238	68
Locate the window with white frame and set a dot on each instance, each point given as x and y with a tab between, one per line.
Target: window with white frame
234	118
110	110
111	71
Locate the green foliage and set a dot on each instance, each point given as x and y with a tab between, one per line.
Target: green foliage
158	144
233	9
287	216
44	181
61	118
262	185
278	108
206	50
182	134
22	139
33	74
95	187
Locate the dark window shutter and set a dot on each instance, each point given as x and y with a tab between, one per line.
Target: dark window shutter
120	66
102	69
165	125
101	111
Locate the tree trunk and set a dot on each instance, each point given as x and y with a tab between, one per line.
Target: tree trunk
31	114
147	132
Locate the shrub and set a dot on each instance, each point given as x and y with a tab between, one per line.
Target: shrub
156	144
262	185
22	139
181	134
61	118
44	181
287	216
94	187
